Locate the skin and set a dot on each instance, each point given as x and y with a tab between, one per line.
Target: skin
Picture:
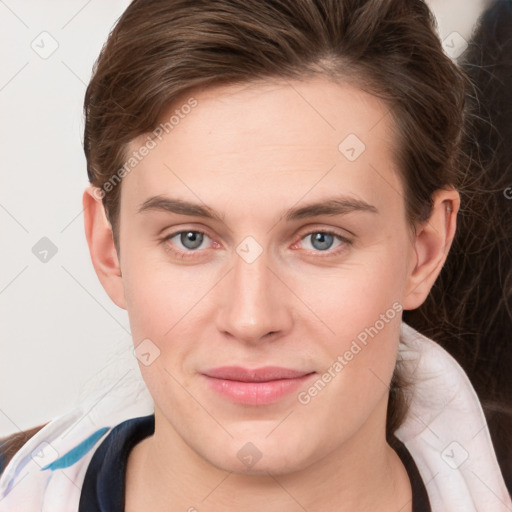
251	153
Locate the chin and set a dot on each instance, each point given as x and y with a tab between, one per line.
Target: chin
266	465
261	456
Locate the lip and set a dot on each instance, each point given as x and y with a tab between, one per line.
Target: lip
258	386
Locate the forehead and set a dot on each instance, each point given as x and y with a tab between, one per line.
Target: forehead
283	138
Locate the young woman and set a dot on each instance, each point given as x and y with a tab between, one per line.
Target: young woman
273	184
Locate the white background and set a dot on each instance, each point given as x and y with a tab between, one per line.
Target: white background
61	335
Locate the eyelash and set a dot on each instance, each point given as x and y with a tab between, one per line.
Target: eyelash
192	253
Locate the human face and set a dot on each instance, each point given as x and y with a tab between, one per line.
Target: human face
255	287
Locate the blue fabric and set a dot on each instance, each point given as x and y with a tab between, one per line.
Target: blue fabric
77	452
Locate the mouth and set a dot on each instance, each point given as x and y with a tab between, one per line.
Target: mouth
259	386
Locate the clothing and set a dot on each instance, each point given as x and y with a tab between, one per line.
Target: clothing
103	489
444	431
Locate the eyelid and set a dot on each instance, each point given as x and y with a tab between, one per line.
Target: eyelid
342	233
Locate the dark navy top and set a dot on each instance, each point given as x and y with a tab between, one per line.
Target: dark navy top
103	489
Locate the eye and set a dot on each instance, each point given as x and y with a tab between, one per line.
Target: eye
323	240
189	239
188	242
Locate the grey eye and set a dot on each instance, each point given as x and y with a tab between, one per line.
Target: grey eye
191	239
321	241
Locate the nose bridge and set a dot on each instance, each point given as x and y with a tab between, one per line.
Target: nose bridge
253	304
251	273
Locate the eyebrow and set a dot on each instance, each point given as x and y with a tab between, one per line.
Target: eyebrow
339	205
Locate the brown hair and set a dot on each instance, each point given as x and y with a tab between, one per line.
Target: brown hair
469	309
160	49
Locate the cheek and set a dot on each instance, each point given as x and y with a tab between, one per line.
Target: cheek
357	372
161	297
352	297
161	314
363	311
165	305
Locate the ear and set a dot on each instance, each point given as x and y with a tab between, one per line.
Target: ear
98	232
432	243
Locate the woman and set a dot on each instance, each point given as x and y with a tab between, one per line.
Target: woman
272	185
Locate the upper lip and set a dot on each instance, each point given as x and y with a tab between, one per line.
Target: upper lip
264	374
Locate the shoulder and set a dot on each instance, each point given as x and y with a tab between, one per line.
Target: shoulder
10	444
43	467
445	429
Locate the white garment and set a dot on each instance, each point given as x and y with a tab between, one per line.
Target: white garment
445	431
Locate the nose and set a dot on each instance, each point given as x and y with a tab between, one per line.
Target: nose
254	303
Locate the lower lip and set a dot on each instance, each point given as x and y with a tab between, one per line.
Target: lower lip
256	393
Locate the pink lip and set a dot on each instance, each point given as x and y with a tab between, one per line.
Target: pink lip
258	386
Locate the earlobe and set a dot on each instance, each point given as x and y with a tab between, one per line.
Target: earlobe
432	243
104	257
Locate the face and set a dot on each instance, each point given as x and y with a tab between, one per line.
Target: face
267	279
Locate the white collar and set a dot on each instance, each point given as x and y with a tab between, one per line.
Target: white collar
446	432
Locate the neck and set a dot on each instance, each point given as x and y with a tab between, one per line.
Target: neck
365	474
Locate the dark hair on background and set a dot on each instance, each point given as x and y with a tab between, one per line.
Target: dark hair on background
469	309
160	50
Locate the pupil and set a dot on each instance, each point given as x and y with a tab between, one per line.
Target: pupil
320	237
192	238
